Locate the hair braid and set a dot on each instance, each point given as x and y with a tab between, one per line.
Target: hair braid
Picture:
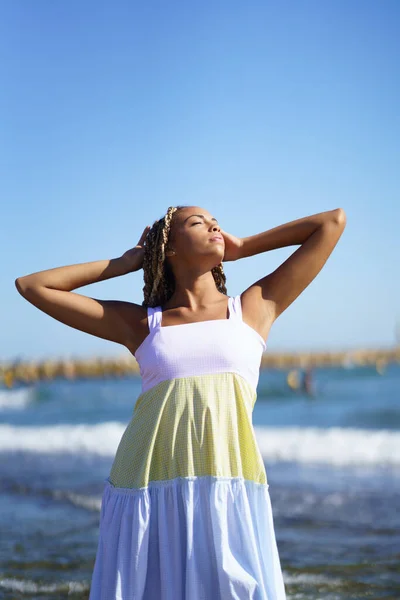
159	281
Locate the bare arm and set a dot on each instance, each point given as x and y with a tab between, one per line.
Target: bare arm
318	235
51	292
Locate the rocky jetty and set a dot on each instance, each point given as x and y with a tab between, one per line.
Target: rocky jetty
26	372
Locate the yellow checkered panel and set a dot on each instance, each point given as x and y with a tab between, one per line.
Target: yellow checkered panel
190	427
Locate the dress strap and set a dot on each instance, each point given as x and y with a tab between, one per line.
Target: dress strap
154	315
235	307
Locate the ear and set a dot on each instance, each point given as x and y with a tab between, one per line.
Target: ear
170	252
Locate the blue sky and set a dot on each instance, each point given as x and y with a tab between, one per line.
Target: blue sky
261	112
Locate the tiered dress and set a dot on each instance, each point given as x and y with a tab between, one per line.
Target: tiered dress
186	511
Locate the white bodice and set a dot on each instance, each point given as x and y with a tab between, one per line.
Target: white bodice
204	347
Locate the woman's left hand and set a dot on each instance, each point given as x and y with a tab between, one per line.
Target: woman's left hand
233	246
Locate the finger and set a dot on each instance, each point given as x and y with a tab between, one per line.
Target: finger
144	234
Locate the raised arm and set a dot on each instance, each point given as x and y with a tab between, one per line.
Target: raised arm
268	297
114	320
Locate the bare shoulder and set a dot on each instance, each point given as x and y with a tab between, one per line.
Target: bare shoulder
256	312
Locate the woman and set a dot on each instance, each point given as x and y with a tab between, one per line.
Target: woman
186	512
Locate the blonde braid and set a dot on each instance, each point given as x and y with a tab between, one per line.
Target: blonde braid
159	282
158	278
161	243
219	278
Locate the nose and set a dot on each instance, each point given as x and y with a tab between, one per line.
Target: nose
216	227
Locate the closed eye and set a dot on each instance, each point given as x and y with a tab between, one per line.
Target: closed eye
200	223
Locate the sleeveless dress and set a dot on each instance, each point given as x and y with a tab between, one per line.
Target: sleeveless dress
186	512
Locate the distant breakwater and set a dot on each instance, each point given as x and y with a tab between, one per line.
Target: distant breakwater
26	372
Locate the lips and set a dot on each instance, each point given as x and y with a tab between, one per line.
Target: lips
217	238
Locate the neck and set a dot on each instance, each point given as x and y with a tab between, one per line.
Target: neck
195	292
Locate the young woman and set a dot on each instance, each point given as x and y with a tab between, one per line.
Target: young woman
186	512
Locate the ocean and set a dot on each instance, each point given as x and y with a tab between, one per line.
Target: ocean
332	461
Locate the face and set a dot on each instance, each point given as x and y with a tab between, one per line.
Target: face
195	235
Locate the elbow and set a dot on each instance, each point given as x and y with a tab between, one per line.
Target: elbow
18	284
339	217
22	285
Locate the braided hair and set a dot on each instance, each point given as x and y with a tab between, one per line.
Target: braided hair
159	280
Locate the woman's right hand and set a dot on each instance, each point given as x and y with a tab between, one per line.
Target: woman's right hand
133	258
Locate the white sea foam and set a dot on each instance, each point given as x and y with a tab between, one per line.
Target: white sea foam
334	446
101	439
309	578
16	399
28	586
88	502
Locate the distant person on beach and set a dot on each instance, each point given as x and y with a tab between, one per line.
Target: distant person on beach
186	510
307	382
301	383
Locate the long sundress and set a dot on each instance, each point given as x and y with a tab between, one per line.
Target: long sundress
186	512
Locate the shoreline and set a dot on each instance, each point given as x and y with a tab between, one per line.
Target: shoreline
29	371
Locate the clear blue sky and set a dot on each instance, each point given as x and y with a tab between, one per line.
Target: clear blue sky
261	112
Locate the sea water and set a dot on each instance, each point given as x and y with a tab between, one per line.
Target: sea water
332	461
